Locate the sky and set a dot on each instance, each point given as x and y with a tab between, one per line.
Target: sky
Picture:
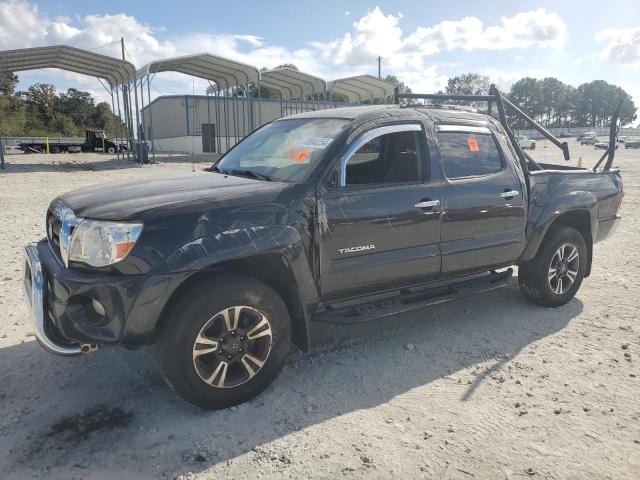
422	42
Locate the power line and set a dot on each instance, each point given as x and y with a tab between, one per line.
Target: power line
95	48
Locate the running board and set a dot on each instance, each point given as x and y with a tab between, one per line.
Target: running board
409	299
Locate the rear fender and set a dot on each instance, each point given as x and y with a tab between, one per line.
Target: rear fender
579	201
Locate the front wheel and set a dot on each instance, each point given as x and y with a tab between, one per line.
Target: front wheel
224	342
554	276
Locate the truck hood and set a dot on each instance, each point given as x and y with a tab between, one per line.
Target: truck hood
122	200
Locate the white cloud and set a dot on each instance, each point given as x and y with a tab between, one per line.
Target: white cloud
375	34
423	81
379	34
23	24
19	24
535	28
622	45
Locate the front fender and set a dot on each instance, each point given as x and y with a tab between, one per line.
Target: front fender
206	252
232	244
539	224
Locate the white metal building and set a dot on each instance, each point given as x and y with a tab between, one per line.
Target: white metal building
214	123
206	124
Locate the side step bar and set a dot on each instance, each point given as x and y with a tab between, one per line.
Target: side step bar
407	300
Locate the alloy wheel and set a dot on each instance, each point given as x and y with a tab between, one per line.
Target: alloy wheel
232	346
563	269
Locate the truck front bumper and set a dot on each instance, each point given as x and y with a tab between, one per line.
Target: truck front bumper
74	312
34	289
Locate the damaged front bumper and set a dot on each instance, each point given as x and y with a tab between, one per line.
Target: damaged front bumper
34	288
75	311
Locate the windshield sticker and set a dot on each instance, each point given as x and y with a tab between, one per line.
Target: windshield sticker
473	144
301	156
316	142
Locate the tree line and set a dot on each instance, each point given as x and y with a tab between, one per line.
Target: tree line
41	110
554	103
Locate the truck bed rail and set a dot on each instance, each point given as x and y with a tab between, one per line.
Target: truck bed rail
496	97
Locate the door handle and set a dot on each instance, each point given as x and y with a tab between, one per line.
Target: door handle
510	194
428	204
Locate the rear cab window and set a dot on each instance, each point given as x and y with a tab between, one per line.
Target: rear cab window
469	153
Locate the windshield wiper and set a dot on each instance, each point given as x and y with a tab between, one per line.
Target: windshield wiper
248	173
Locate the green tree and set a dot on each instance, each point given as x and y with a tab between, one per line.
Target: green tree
527	94
595	103
40	100
287	65
468	84
402	88
76	104
553	91
64	126
104	119
8	83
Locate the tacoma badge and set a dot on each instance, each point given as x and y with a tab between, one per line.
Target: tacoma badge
359	248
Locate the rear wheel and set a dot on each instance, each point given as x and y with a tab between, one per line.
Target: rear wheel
224	342
111	150
554	276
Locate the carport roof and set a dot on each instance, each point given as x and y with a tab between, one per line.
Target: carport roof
224	72
292	83
72	59
362	87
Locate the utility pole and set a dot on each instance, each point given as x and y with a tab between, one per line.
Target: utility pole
379	64
1	153
127	109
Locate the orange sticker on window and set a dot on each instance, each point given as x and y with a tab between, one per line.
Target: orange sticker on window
473	144
301	156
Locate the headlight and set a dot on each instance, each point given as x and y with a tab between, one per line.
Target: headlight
99	243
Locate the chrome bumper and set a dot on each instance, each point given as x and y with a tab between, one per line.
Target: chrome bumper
34	287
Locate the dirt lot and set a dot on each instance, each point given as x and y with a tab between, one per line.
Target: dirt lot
492	387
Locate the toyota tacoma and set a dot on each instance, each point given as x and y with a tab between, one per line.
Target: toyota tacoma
332	216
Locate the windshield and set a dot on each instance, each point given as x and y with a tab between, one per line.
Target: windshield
285	151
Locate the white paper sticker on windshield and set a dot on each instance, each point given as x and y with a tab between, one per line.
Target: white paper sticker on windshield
316	142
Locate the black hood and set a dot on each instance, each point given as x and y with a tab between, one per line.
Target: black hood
122	200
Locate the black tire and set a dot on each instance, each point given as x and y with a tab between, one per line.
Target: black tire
534	277
111	150
186	319
533	146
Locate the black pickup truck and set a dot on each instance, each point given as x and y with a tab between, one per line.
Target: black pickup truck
336	216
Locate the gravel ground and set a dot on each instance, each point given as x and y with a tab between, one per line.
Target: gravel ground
490	387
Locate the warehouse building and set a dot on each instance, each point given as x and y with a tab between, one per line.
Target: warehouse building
215	122
208	124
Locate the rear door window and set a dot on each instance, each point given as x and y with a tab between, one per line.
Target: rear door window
469	154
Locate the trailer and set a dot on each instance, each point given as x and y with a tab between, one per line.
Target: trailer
95	141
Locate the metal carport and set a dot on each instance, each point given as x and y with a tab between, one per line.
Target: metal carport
361	88
118	74
223	72
293	84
